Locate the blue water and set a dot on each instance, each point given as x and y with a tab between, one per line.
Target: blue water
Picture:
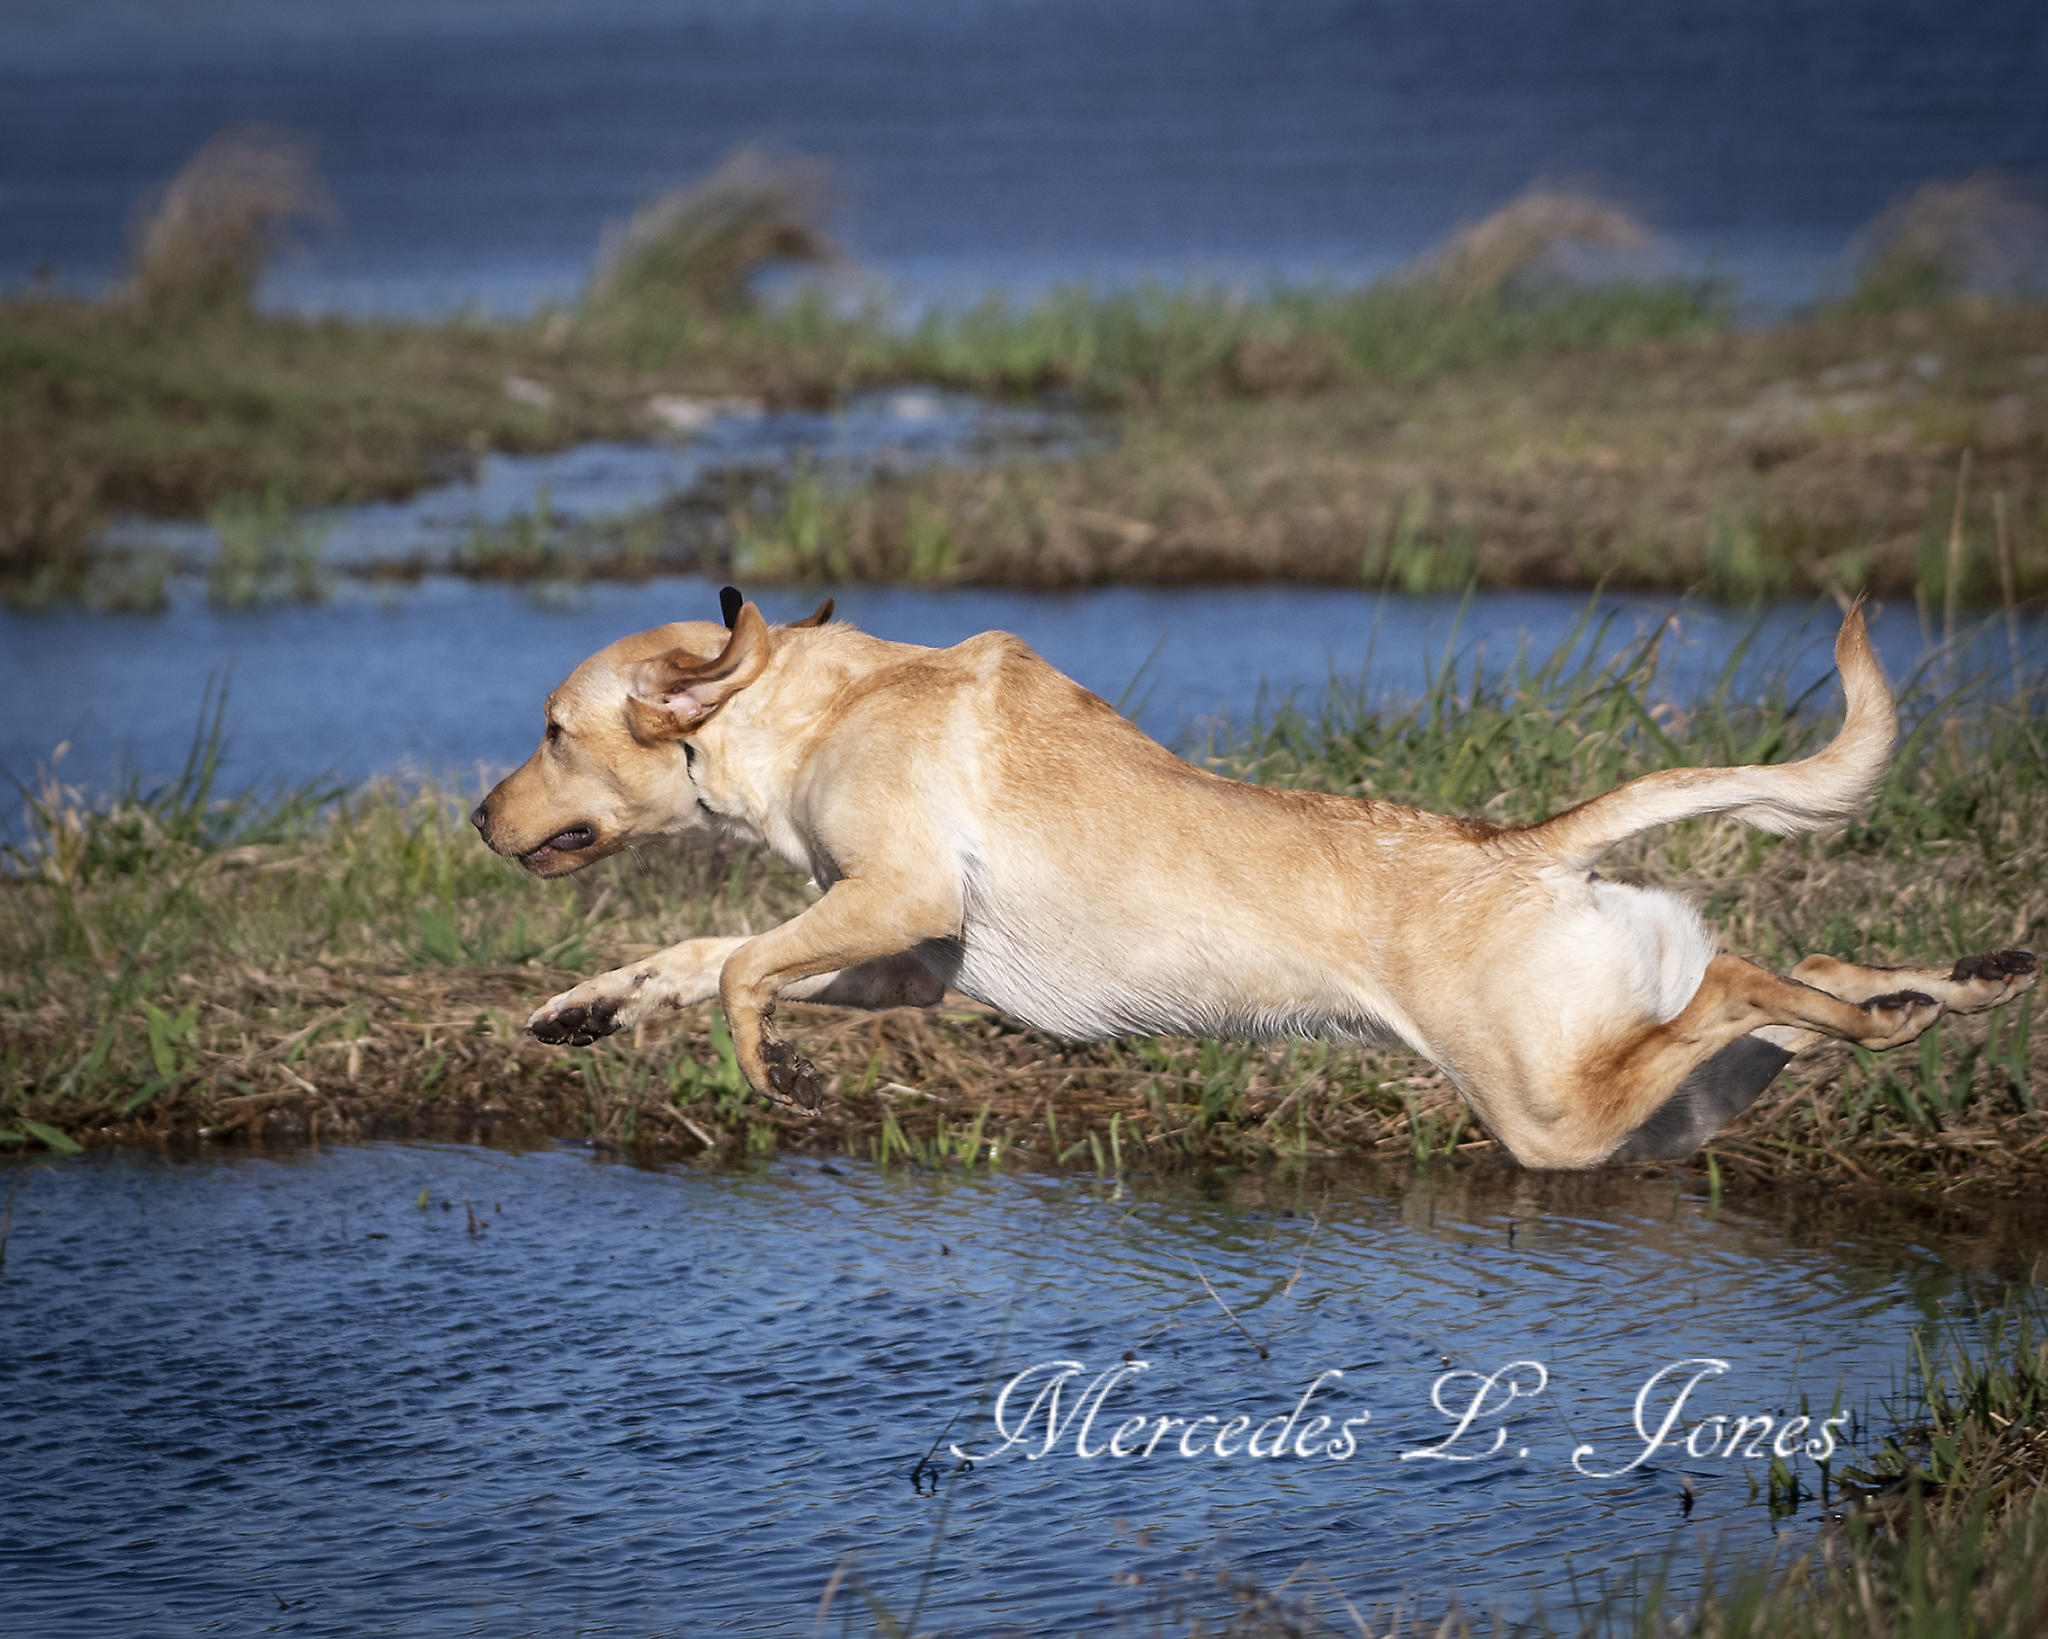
439	1390
478	146
448	676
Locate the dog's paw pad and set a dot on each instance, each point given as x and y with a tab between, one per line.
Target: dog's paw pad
1901	1016
792	1078
1997	965
575	1026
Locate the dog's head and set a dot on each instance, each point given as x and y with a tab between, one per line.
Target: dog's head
613	765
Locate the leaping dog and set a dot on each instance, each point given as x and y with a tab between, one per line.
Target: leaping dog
977	820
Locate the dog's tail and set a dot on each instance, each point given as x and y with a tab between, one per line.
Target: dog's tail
1824	789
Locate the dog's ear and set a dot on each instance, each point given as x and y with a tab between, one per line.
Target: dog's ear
678	692
823	614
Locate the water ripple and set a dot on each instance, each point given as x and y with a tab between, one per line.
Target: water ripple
655	1401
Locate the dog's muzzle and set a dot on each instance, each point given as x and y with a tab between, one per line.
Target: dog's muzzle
571	840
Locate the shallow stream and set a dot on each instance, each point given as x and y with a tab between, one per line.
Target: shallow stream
433	1389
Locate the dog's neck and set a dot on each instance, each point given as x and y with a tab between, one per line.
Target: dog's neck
744	763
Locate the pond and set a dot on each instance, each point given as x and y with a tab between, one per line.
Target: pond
438	1389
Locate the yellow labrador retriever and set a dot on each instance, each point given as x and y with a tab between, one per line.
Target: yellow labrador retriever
978	820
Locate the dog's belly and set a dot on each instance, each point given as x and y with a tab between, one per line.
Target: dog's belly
1088	989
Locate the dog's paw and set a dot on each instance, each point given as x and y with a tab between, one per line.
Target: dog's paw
1898	1018
1995	977
566	1023
792	1078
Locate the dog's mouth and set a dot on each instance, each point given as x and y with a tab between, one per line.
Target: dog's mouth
574	840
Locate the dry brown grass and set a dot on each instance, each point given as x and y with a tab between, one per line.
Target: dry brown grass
200	245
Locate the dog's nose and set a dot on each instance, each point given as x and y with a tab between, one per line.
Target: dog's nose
481	816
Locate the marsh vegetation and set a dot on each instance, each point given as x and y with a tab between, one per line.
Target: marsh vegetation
184	963
1490	416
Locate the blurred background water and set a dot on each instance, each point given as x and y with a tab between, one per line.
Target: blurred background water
477	147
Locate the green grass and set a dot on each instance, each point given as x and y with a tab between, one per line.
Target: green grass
103	408
1738	465
1382	436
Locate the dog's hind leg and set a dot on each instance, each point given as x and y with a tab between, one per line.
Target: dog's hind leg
687	973
1622	1088
1725	1084
1973	984
1714	1093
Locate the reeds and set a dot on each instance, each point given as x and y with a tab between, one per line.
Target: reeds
200	245
266	554
698	248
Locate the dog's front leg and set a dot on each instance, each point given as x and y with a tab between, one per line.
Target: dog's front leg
686	974
860	921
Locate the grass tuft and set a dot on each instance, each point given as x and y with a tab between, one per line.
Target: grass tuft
267	554
199	246
1945	238
698	248
1484	261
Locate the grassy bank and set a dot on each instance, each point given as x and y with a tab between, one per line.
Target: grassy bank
1825	455
1373	437
1477	417
106	407
175	965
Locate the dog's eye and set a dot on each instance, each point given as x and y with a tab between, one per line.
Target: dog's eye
554	732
